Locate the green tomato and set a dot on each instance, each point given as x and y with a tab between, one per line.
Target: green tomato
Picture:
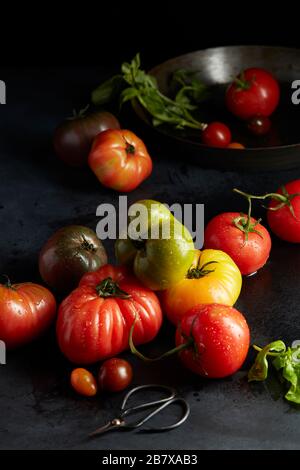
162	253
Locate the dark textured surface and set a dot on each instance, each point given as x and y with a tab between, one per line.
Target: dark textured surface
38	194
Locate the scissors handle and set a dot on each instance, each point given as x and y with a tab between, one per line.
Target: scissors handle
185	408
127	411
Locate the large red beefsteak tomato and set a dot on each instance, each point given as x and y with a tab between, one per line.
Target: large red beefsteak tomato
95	319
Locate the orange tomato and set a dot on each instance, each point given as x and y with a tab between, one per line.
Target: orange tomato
120	160
235	145
212	278
84	382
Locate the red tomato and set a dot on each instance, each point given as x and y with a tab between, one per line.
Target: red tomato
84	382
115	374
26	311
219	338
216	134
285	221
120	160
255	92
222	233
95	319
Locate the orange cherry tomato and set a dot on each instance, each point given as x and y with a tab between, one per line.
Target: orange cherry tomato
84	382
235	145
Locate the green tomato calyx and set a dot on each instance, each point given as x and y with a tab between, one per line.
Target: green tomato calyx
7	283
110	288
130	149
196	272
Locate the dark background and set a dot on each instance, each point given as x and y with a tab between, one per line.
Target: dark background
51	59
101	33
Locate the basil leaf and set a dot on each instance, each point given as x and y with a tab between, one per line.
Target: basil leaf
259	370
108	90
128	94
290	365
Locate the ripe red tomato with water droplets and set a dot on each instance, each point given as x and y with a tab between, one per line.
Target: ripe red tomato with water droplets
115	375
223	233
84	382
285	220
216	134
94	321
254	92
219	337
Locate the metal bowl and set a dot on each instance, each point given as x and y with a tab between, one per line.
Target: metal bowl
279	149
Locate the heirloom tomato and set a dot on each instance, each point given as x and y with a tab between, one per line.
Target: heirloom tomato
213	277
120	160
161	251
74	137
26	311
68	254
95	319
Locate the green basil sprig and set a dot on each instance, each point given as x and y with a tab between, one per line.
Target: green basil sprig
135	83
286	360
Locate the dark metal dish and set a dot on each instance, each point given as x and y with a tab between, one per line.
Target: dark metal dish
279	149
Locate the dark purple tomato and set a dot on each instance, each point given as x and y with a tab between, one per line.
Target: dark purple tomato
68	254
259	125
73	138
115	375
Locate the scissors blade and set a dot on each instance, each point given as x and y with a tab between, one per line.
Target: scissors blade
115	423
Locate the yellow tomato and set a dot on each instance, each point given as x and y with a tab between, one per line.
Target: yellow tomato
212	278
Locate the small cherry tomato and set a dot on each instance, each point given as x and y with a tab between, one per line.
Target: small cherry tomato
235	145
115	375
84	382
216	134
259	125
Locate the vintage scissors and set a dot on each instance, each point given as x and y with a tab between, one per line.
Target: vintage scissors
159	405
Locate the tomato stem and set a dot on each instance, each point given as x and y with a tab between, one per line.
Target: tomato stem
198	272
177	349
80	114
283	199
86	245
243	222
109	288
242	83
130	148
7	283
